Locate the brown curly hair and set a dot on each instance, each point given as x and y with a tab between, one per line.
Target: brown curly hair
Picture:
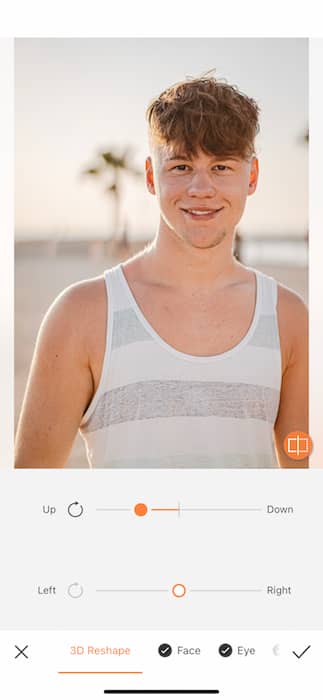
207	114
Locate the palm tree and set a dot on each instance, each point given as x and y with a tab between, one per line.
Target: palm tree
112	163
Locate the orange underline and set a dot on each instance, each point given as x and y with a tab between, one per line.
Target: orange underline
176	509
62	673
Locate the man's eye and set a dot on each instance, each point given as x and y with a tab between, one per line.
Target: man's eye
221	168
181	167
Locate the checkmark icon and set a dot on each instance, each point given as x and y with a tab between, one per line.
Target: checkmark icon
225	650
299	656
165	650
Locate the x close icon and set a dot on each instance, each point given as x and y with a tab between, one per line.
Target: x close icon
21	652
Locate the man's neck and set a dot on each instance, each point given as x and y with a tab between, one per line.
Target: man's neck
177	263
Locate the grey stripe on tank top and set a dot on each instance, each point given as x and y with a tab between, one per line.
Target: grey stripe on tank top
156	399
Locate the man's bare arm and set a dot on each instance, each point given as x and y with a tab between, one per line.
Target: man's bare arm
61	382
293	408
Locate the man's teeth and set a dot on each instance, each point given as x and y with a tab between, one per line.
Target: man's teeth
200	213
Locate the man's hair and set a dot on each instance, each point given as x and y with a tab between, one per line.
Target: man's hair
207	114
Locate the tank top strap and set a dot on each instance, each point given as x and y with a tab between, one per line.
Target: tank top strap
124	323
266	332
268	295
117	294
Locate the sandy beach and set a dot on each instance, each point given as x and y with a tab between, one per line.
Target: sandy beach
40	277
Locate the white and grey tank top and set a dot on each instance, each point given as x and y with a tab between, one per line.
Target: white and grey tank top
156	407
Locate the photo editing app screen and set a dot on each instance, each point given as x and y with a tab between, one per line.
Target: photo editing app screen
162	514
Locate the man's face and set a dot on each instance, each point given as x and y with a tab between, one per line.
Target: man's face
201	198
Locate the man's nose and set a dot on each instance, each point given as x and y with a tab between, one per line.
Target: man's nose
201	184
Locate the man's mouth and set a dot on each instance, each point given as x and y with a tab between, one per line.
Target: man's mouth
201	213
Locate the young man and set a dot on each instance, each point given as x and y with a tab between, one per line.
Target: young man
182	357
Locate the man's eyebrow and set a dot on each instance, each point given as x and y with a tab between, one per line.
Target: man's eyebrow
226	157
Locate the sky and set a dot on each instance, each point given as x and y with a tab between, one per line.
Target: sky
76	96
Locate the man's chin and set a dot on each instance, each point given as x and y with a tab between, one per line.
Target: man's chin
205	242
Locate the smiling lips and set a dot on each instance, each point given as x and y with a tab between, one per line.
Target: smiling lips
201	213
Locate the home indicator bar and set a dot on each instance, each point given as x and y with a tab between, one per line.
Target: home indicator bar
161	692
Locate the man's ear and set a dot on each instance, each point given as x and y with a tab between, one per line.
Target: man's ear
150	176
254	174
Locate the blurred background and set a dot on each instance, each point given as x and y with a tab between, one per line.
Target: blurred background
81	144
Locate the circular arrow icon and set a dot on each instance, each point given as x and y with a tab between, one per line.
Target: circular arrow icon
75	590
75	510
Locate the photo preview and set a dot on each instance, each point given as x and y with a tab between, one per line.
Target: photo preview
163	503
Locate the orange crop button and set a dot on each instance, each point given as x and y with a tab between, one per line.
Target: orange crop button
298	445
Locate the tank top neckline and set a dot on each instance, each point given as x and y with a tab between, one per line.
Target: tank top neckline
182	355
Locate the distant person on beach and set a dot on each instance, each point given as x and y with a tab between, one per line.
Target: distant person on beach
182	357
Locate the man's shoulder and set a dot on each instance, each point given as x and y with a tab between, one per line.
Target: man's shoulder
293	323
77	312
290	305
81	299
85	293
